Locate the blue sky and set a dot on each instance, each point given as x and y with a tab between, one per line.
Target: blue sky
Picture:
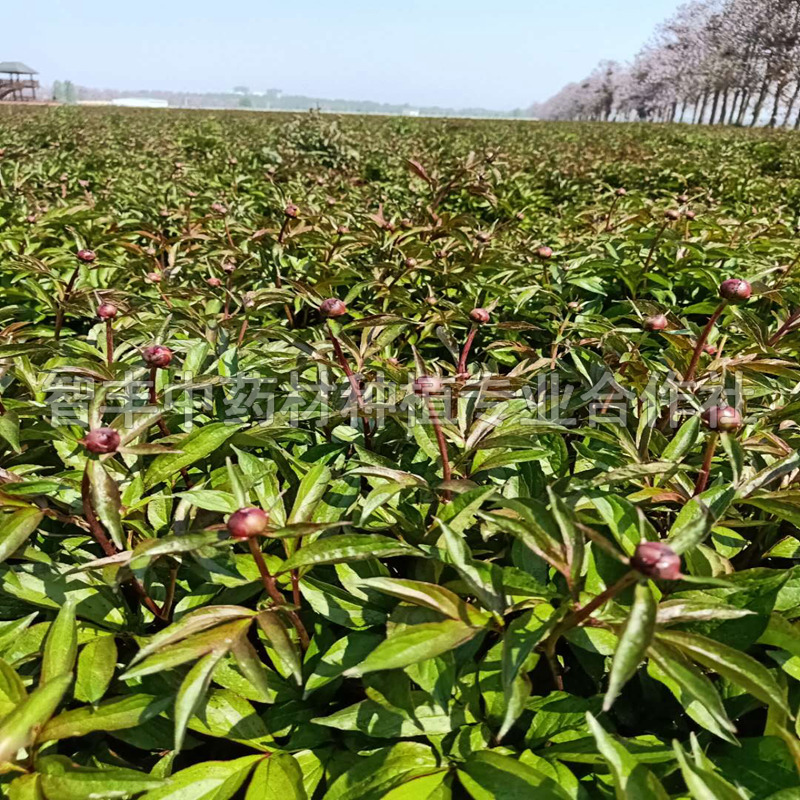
455	53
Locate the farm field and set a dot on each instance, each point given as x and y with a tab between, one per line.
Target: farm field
361	457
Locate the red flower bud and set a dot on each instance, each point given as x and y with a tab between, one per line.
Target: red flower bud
545	252
291	211
722	418
690	215
213	282
410	263
658	561
735	290
153	277
157	355
247	522
658	322
621	192
672	214
479	315
87	256
106	311
101	440
332	307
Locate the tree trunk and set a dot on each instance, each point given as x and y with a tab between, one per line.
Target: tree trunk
792	103
743	107
762	96
714	107
736	96
773	117
683	111
702	108
723	114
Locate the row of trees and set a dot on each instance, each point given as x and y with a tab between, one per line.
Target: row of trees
714	62
65	92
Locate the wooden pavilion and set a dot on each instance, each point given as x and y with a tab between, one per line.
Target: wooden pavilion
17	81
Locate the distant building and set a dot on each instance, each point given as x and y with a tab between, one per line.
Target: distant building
411	112
16	79
140	102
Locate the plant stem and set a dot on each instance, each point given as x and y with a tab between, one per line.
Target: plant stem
162	426
701	342
784	329
462	361
580	615
354	383
440	440
611	212
228	289
702	477
272	590
59	324
109	342
109	548
653	247
242	331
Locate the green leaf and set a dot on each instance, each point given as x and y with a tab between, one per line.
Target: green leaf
471	573
634	639
771	473
704	784
309	493
683	441
278	777
192	691
426	787
429	595
96	664
698	516
693	690
373	777
220	638
20	727
415	643
571	536
112	715
347	652
105	499
15	528
491	775
26	787
277	633
12	689
198	444
66	781
190	624
210	780
347	547
61	645
9	430
521	637
736	666
632	780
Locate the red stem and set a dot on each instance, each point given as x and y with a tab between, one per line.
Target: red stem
440	440
784	329
354	383
702	477
701	342
109	342
272	590
462	362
